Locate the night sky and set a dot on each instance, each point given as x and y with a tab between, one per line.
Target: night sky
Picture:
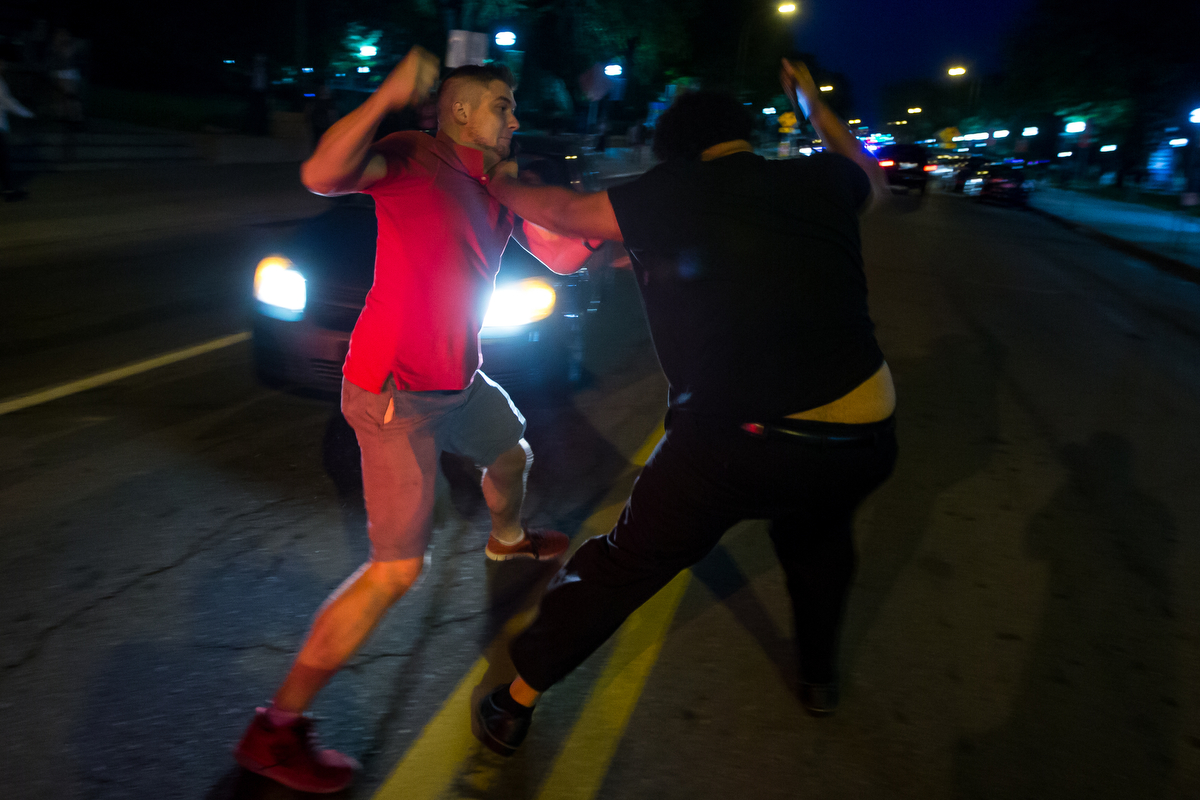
876	42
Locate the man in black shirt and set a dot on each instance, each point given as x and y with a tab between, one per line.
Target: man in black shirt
780	402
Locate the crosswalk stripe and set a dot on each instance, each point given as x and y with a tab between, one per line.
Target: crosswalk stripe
437	756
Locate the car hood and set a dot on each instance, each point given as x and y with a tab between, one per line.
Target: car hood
337	249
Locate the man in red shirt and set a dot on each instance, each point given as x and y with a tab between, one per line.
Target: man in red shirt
412	385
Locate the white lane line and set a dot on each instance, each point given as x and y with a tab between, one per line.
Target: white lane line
83	384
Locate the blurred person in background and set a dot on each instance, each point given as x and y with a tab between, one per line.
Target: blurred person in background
322	112
8	105
64	63
34	43
780	403
412	386
258	112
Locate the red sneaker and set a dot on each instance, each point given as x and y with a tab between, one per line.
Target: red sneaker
542	545
290	755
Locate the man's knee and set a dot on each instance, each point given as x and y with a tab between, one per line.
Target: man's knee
513	461
394	578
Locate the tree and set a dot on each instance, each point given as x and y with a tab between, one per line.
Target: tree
1128	73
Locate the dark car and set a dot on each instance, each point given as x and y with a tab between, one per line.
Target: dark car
906	165
308	294
966	179
1005	183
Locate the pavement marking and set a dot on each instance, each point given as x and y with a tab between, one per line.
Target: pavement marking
83	384
437	756
583	762
446	741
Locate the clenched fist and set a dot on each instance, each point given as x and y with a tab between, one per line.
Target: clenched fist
409	83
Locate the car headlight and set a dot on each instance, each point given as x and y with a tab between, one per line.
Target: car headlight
519	304
280	287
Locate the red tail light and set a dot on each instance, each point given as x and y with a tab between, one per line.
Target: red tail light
887	163
930	167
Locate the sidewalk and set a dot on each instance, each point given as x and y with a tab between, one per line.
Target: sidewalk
72	212
1162	236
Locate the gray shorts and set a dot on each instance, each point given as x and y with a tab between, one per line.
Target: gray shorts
400	458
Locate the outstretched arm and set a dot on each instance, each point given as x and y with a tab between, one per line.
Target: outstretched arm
802	91
343	161
560	254
563	211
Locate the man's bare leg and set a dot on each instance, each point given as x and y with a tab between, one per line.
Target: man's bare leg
504	491
342	624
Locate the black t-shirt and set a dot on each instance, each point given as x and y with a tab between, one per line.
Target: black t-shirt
751	274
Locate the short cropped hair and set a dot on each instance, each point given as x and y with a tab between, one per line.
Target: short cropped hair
696	121
480	74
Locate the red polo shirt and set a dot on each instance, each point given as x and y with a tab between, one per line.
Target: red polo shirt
440	239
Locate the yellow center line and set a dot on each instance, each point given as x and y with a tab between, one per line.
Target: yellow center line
582	764
446	743
112	375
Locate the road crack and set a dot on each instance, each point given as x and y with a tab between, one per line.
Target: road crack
201	545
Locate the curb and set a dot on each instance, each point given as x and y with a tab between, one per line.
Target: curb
1171	266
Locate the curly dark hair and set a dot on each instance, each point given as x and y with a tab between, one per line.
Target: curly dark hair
697	120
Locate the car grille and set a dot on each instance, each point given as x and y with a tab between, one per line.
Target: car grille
328	371
337	308
334	318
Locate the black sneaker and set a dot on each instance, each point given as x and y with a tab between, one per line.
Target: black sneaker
819	699
503	722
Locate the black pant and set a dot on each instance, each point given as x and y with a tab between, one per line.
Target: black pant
705	476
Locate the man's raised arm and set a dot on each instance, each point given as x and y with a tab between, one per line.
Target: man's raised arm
563	211
343	161
801	89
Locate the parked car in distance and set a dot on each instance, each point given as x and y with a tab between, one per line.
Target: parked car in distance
1007	183
309	293
906	166
965	179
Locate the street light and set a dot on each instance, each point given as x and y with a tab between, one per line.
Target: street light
915	110
506	38
368	51
744	38
1030	131
854	122
1194	116
956	71
613	70
1076	127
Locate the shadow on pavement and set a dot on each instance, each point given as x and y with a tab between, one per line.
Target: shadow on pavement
947	426
1098	714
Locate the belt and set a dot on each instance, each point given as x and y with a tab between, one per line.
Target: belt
831	434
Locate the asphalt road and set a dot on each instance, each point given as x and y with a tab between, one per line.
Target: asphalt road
1026	621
